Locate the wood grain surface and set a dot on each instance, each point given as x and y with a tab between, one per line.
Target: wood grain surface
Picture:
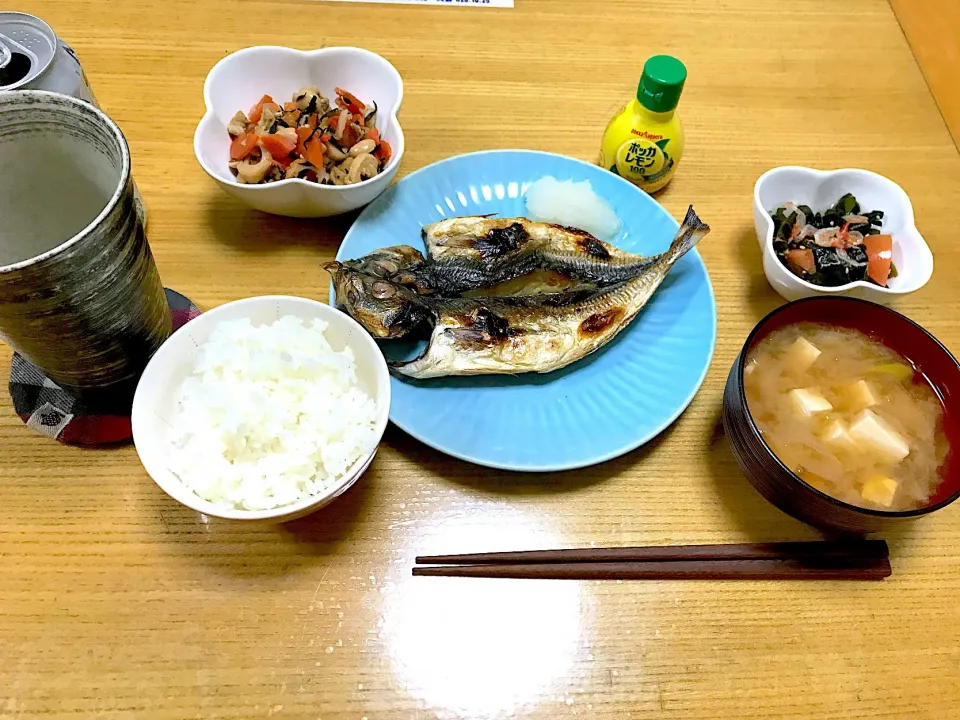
932	28
116	602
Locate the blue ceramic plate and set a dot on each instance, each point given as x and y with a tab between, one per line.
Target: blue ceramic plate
596	409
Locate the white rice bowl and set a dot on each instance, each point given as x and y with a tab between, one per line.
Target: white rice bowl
270	415
572	204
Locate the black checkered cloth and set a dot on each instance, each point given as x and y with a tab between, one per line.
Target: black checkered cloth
91	418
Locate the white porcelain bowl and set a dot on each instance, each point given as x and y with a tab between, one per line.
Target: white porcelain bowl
154	402
239	80
820	189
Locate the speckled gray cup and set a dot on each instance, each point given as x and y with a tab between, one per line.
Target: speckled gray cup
80	295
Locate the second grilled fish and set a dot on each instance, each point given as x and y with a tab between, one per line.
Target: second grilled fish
465	254
408	267
481	256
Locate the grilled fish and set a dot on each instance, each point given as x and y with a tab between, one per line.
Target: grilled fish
481	256
404	263
501	250
473	336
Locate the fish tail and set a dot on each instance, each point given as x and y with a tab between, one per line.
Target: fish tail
690	233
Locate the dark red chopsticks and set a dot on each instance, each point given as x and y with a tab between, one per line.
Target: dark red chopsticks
827	560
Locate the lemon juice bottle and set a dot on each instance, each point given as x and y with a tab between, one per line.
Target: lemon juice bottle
644	141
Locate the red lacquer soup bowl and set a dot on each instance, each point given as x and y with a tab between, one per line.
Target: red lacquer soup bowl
775	481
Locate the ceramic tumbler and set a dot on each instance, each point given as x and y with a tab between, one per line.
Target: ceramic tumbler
80	295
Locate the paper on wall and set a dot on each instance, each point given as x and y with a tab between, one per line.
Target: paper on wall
451	3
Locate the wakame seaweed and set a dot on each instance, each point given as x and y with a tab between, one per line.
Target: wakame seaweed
827	259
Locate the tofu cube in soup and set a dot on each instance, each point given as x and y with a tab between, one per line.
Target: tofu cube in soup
808	401
802	354
860	395
837	435
873	433
880	490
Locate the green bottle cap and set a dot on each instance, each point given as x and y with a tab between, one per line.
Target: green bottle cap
661	83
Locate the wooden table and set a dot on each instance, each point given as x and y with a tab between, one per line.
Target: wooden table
933	29
116	602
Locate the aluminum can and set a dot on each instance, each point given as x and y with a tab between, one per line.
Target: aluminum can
32	57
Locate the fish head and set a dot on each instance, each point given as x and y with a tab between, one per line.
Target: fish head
386	261
385	309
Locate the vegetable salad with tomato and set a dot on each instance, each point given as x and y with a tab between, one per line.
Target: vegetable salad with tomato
840	245
308	138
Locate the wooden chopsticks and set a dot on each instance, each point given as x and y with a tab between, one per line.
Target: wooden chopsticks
827	560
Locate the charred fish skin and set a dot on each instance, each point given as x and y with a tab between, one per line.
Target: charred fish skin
479	241
451	277
406	266
487	336
478	255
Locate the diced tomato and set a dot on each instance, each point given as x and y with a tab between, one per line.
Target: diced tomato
242	146
302	134
802	258
383	152
879	256
314	153
279	146
256	112
372	134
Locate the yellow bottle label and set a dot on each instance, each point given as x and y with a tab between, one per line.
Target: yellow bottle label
643	160
641	147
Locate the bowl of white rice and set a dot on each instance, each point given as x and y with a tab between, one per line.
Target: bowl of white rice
263	409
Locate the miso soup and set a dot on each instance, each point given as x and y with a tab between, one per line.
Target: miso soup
848	415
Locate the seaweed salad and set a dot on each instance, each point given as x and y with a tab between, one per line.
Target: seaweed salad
840	245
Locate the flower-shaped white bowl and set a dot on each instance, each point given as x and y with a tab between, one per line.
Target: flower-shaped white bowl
239	80
155	401
822	188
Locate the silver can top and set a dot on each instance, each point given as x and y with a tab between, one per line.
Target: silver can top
27	48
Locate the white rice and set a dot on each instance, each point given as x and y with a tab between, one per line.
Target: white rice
270	415
573	205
